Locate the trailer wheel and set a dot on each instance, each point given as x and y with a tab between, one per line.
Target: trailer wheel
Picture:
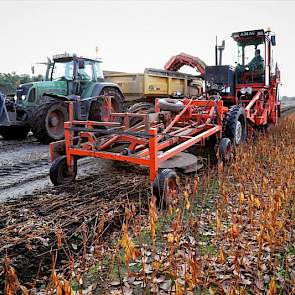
235	125
59	171
170	104
14	131
165	187
140	108
225	150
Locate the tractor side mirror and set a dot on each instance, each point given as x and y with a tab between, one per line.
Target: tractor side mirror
33	70
81	63
273	40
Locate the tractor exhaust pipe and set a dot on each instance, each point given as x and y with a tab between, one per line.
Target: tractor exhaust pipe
219	48
216	52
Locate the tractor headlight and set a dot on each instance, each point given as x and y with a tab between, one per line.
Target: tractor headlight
249	90
23	97
244	90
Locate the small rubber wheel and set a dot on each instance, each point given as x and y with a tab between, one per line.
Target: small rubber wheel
226	150
165	187
59	171
170	104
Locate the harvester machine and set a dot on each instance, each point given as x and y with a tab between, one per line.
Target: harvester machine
250	89
147	139
237	101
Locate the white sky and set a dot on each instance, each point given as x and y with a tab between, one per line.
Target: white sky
132	35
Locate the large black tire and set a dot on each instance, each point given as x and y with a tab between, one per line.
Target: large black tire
140	107
59	173
235	125
14	131
164	183
98	112
47	120
171	104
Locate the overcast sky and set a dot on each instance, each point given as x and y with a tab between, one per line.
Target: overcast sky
132	35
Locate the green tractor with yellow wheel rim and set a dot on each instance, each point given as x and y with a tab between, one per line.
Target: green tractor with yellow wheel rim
42	106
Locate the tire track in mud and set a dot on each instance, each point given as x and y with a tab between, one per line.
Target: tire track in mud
24	168
22	172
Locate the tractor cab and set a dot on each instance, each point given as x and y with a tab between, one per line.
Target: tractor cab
69	68
76	72
254	63
253	71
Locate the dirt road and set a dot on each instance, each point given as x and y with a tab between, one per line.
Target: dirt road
24	167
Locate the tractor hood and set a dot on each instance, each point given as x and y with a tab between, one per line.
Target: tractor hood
30	94
59	87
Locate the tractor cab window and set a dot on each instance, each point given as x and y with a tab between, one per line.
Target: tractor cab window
98	73
62	70
86	74
251	63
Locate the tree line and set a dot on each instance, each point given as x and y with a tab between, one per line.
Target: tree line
10	81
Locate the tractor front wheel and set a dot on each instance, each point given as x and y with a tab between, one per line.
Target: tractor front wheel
47	120
165	187
60	173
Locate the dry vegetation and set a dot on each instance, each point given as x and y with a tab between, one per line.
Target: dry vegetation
231	232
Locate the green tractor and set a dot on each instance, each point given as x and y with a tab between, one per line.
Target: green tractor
42	106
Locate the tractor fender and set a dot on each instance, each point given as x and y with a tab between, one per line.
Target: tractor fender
98	87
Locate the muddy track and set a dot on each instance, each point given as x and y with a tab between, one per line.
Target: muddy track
24	167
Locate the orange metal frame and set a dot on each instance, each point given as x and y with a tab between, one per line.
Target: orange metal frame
150	142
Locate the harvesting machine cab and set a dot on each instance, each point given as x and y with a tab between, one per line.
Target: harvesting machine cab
251	87
254	67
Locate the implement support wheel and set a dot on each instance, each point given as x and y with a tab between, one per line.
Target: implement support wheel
165	187
59	171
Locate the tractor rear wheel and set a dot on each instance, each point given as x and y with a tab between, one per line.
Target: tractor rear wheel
47	120
14	131
165	187
59	171
99	110
235	125
140	108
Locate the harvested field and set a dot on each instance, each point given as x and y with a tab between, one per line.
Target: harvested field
210	241
31	227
